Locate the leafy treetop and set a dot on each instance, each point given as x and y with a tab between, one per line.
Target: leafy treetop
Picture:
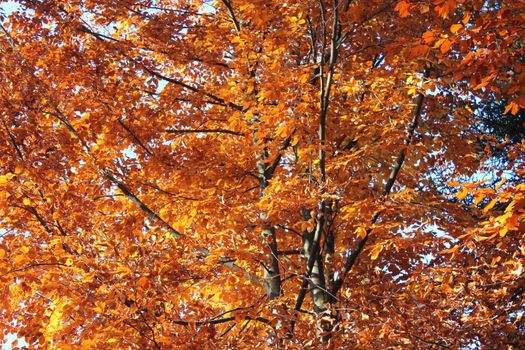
269	174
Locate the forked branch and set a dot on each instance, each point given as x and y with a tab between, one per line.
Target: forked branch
352	258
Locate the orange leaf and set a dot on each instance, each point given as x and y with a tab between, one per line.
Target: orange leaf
403	8
143	282
428	36
455	27
512	107
445	46
490	205
466	18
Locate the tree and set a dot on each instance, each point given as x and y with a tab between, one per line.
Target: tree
269	174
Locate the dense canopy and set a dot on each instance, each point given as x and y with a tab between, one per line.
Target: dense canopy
240	174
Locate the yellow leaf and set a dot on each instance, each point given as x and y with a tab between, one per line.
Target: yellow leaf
99	307
374	253
122	271
360	232
124	25
501	183
55	321
504	230
304	78
6	177
20	259
439	43
462	193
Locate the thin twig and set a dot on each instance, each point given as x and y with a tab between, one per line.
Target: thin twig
203	131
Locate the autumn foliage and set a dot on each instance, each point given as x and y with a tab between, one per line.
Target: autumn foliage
256	174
